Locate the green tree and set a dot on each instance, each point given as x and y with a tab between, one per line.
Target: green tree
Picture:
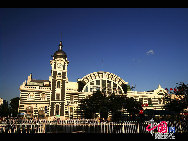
99	103
133	107
4	109
93	104
14	104
115	106
182	89
176	106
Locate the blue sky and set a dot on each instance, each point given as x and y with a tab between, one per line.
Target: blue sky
144	46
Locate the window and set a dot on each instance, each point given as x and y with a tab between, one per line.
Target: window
92	83
103	83
114	85
160	94
46	109
57	109
97	82
118	90
31	96
86	89
72	99
108	84
54	65
160	100
71	110
58	84
149	101
57	96
141	100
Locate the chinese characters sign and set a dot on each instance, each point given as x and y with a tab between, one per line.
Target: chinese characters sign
162	130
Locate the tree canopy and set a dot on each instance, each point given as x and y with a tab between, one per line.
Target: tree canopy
178	105
116	104
14	104
10	109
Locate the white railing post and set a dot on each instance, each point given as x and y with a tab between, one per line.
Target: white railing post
109	127
138	130
101	127
123	128
104	127
112	127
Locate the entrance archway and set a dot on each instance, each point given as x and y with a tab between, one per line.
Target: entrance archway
29	111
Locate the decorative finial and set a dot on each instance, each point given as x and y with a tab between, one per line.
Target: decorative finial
60	45
159	86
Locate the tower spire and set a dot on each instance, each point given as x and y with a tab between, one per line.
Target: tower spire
159	86
60	45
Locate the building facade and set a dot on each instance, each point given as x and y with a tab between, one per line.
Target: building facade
58	97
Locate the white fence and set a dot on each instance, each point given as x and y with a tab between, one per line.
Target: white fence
84	126
22	128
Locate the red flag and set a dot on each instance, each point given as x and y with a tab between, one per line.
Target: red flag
175	90
141	112
171	89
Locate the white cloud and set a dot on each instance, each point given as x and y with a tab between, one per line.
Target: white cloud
150	52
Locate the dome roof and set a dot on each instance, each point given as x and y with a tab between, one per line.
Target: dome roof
60	53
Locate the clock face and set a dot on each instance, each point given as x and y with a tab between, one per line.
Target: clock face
59	65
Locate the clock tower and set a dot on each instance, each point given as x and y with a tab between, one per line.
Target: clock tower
58	80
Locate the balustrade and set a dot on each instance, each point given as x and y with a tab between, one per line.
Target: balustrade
80	125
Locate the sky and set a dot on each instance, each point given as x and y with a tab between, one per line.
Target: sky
143	46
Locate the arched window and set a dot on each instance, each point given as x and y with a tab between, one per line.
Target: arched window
43	96
58	84
29	111
31	96
104	81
